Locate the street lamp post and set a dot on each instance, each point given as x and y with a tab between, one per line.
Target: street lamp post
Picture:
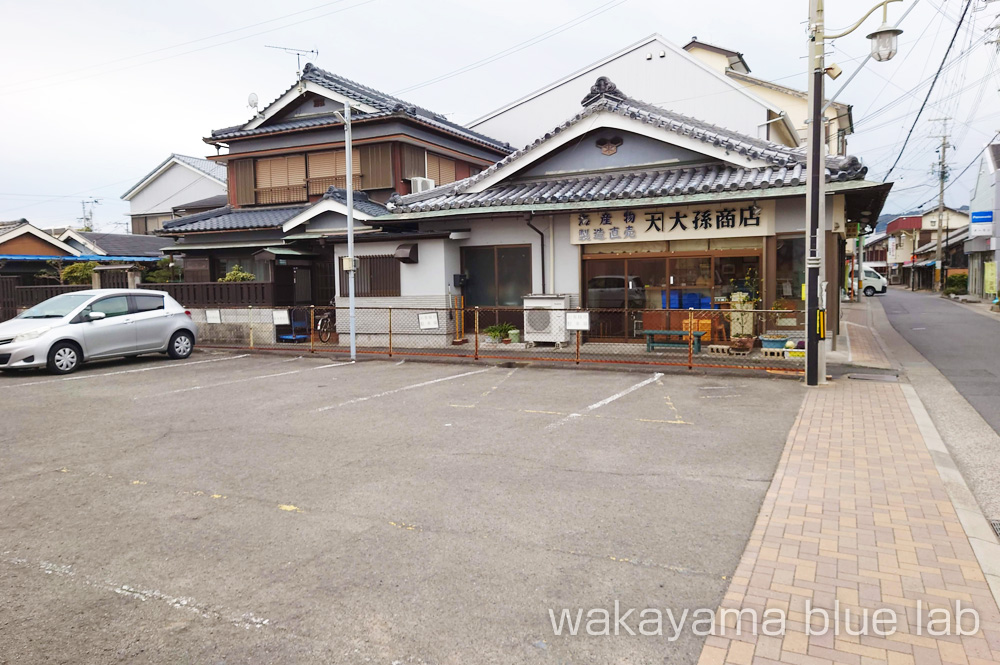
884	43
351	264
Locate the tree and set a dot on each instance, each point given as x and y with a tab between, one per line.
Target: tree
78	273
162	273
53	272
238	274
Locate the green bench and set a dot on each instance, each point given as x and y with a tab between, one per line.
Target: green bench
651	344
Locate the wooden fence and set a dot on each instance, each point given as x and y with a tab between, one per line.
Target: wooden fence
29	296
189	294
218	294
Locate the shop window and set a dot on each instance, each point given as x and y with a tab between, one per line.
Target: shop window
790	269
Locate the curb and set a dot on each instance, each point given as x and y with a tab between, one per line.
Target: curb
982	538
977	529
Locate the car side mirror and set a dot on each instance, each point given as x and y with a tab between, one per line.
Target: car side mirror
95	316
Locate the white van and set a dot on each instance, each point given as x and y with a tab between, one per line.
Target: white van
873	283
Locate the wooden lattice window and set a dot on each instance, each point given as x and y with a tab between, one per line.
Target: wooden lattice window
281	179
329	169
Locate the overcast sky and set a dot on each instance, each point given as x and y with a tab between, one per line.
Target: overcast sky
93	95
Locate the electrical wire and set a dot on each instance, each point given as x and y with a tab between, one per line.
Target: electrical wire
203	48
552	32
931	89
967	167
170	48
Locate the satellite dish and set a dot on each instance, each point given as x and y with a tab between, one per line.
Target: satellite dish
252	100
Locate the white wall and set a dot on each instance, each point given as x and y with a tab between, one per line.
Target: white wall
176	186
677	82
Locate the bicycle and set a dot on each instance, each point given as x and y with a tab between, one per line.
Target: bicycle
325	324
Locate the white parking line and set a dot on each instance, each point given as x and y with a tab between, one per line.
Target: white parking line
399	390
83	377
606	400
251	378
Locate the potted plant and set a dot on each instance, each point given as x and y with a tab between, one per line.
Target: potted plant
500	332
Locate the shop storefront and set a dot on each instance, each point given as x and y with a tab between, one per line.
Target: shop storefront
645	268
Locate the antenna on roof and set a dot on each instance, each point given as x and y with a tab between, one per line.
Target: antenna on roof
298	53
87	219
252	103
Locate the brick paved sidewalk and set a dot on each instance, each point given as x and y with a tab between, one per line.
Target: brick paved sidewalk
857	513
865	348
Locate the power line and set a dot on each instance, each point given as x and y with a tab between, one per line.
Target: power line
170	48
931	89
552	32
203	48
967	167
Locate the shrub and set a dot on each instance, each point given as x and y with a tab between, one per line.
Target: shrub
960	282
238	274
78	273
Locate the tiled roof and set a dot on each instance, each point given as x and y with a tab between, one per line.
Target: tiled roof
206	166
361	201
228	218
216	201
787	166
125	244
11	225
209	168
386	105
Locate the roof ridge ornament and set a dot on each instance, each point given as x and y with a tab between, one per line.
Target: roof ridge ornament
603	87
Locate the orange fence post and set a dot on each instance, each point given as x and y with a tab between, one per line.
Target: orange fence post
690	338
312	328
476	355
250	317
577	347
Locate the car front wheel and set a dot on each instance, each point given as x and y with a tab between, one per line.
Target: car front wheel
869	291
181	345
64	357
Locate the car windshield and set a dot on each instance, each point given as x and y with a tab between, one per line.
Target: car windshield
56	308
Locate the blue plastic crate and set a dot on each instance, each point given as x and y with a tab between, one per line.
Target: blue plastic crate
691	301
675	300
706	303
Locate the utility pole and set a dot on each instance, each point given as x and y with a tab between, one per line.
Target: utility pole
942	176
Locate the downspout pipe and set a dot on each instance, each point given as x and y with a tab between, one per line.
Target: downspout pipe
541	239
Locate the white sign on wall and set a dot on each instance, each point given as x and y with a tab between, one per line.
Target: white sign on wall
577	320
710	220
428	321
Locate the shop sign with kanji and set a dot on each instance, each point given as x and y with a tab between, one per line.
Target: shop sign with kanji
724	220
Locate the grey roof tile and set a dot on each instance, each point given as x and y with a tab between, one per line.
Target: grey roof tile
786	166
386	106
229	219
361	201
125	244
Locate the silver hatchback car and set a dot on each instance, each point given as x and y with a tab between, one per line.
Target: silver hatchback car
69	329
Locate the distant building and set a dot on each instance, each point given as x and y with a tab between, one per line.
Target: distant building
690	82
983	244
179	185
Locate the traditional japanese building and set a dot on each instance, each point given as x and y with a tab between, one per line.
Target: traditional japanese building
628	205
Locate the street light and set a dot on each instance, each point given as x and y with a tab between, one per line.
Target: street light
884	43
351	264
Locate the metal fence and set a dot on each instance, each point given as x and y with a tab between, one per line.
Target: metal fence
730	338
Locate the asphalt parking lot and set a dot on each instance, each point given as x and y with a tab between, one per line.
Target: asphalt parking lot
270	509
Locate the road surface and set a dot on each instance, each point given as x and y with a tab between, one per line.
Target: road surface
960	343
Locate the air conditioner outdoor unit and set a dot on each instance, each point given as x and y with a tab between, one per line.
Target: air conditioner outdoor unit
545	319
420	185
